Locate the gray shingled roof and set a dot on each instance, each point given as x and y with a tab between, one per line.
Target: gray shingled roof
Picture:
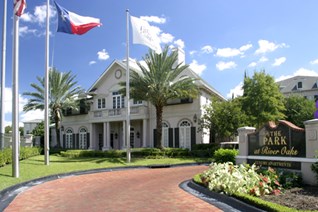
291	84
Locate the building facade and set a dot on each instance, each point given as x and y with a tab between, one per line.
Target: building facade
102	126
306	86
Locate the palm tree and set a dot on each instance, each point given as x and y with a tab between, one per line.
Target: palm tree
63	93
158	82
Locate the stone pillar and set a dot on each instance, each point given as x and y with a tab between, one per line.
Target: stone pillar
243	143
144	133
311	128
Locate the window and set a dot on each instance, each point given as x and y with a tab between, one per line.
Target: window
300	85
82	139
101	103
185	134
137	102
118	100
69	139
165	134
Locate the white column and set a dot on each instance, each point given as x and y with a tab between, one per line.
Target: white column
105	147
124	135
91	137
144	133
106	136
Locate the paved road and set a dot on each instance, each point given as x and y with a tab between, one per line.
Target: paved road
125	190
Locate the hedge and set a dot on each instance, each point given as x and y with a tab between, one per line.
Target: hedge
25	152
139	152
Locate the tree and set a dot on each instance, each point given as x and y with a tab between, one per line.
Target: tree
299	109
39	129
262	101
158	82
63	93
223	118
8	129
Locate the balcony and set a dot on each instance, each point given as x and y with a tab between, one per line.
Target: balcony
119	112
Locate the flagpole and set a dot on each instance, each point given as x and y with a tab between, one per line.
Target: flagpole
15	103
46	98
3	72
127	90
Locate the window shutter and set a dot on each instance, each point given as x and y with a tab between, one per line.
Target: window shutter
155	138
170	137
176	136
193	136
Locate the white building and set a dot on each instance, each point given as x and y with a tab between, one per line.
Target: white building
102	127
306	86
30	125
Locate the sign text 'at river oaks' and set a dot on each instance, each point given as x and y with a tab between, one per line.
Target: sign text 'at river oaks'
281	140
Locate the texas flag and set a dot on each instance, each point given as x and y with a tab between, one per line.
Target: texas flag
72	23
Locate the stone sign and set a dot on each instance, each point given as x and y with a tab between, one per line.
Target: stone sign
282	140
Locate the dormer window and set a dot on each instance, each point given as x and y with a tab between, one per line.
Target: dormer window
299	85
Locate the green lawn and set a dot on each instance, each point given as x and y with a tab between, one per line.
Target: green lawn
34	167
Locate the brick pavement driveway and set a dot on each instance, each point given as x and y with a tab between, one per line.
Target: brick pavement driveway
125	190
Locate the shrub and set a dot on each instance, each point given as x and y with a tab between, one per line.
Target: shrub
225	155
290	179
203	150
230	179
314	168
138	152
25	152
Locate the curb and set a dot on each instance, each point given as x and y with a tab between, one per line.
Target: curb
7	195
222	198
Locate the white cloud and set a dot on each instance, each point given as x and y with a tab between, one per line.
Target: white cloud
24	30
154	19
103	55
246	47
232	52
92	62
237	91
31	115
225	65
207	49
192	52
197	68
166	38
263	59
179	43
299	72
279	61
314	62
228	52
267	46
39	14
252	64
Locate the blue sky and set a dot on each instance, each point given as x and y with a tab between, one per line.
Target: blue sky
221	38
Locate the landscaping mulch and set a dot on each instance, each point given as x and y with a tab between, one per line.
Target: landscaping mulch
305	198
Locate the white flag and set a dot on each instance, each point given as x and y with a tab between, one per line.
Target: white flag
143	34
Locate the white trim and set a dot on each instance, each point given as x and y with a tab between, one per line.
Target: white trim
293	159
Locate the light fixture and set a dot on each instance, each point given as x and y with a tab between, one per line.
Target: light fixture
195	118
